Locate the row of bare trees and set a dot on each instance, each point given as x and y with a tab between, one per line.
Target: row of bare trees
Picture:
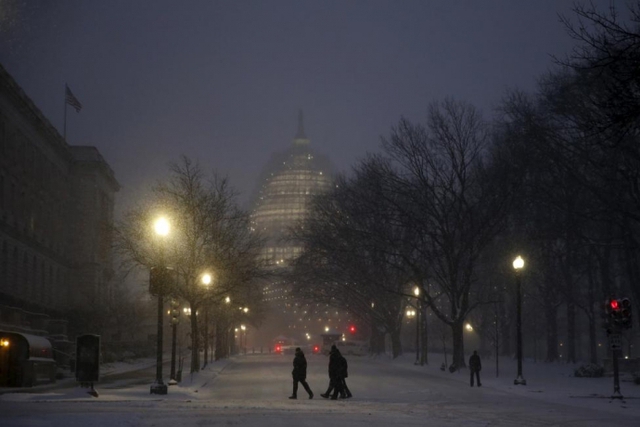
447	205
209	235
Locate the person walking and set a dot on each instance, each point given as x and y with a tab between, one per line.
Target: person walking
335	369
475	366
344	373
299	374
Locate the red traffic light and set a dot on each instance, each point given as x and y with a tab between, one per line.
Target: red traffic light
352	329
614	304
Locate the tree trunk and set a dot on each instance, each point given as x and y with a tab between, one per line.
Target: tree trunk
424	338
376	342
571	332
633	271
219	352
505	331
458	344
552	333
195	342
396	345
591	315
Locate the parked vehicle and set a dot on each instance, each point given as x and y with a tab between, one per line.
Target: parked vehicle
353	348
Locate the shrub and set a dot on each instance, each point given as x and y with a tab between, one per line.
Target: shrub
589	371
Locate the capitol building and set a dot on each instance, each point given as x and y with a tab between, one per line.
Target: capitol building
287	185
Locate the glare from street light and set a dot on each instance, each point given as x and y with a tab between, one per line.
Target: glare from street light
161	226
243	327
246	309
518	263
468	327
416	291
227	300
206	279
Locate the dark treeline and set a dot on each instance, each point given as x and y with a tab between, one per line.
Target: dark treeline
447	205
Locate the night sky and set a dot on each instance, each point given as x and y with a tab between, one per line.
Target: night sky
222	81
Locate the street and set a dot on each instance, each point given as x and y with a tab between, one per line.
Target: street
254	390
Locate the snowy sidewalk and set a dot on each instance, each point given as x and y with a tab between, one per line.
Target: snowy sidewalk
111	369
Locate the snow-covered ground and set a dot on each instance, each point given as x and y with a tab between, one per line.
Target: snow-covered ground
253	390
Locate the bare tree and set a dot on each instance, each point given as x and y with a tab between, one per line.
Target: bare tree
348	261
453	203
210	234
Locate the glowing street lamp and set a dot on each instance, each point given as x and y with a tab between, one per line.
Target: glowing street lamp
518	265
416	292
162	228
175	318
206	280
468	327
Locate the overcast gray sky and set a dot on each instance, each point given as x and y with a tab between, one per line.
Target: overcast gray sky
221	81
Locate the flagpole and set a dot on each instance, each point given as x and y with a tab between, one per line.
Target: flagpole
64	131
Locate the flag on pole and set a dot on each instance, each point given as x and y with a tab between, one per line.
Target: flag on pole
72	100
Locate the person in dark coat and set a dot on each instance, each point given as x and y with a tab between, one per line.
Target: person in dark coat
475	366
344	373
337	374
299	374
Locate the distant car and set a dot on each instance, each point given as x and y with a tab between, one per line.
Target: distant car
353	348
288	349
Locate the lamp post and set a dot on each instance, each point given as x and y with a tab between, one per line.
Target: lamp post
175	319
416	292
206	281
411	313
158	281
243	339
420	356
518	265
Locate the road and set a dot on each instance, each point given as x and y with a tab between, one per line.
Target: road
253	390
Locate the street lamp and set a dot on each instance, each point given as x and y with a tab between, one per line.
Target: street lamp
416	292
243	339
158	280
518	265
206	281
411	313
175	319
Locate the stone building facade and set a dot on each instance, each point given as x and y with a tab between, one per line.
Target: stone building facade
56	213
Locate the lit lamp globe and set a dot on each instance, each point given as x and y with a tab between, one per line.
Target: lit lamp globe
161	226
518	263
206	279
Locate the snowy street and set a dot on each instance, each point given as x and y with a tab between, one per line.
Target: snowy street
253	390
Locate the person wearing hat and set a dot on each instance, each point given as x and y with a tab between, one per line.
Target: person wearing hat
299	374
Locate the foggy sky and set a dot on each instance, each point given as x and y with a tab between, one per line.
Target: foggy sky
221	81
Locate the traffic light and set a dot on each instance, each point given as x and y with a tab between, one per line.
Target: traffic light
618	314
625	313
352	329
175	311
